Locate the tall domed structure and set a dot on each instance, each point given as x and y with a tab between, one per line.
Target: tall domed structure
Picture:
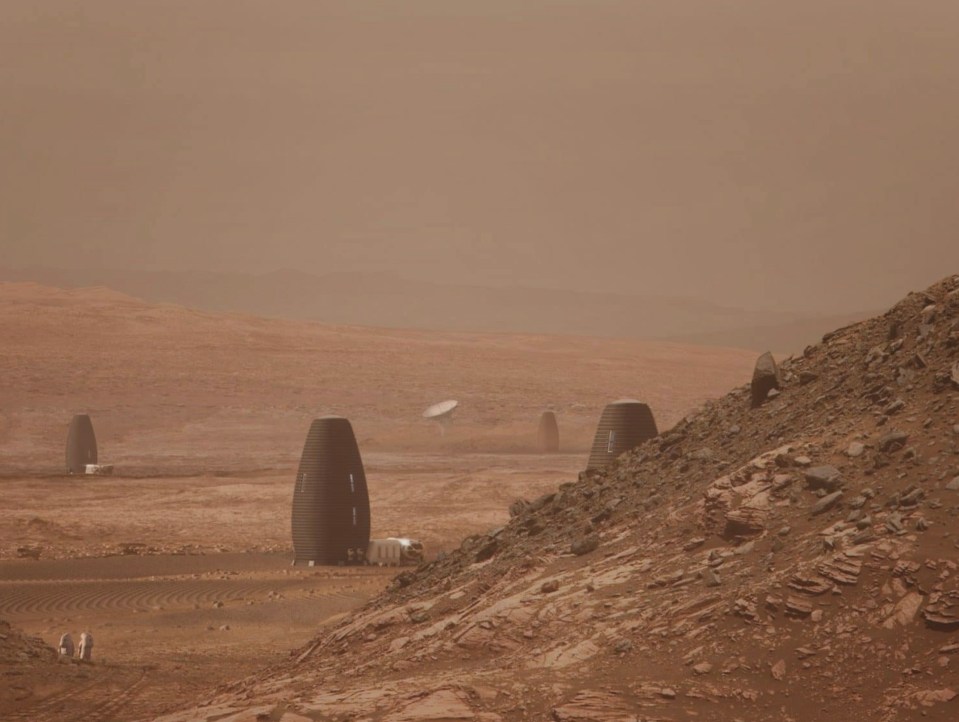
624	425
81	444
548	433
331	503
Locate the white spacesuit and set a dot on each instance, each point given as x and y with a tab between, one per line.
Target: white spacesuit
65	648
85	650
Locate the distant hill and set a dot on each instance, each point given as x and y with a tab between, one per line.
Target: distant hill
384	299
174	388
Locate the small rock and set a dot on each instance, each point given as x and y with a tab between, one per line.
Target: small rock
893	441
784	461
623	646
667	693
778	670
894	523
549	587
912	498
584	545
487	550
823	477
929	698
856	448
953	485
542	501
894	408
826	503
712	578
518	507
702	668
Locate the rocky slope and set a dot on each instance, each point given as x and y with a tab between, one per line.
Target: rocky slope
789	561
21	656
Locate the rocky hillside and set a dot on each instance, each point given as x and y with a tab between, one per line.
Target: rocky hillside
794	559
21	656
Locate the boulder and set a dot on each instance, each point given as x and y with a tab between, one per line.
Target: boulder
823	477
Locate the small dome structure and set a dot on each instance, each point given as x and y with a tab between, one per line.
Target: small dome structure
81	444
624	425
548	433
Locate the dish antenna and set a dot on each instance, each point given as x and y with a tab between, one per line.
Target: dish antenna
441	413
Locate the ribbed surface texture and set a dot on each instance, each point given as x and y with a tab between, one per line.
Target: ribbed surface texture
548	433
624	425
81	444
331	504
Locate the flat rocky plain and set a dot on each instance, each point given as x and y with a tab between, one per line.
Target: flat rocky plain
179	563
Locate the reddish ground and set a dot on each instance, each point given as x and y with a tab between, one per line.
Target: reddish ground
204	417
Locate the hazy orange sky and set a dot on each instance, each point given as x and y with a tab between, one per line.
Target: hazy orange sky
801	154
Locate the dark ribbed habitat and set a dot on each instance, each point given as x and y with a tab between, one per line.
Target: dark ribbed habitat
331	504
81	444
624	425
765	378
548	433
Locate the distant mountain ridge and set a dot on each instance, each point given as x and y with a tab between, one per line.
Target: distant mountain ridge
389	300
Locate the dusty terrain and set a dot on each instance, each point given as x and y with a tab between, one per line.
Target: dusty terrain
204	417
792	560
142	561
172	390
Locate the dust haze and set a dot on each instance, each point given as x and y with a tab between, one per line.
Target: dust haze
794	157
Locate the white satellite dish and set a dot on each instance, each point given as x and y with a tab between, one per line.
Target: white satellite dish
441	413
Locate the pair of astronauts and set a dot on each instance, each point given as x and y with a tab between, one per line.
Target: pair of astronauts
84	651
